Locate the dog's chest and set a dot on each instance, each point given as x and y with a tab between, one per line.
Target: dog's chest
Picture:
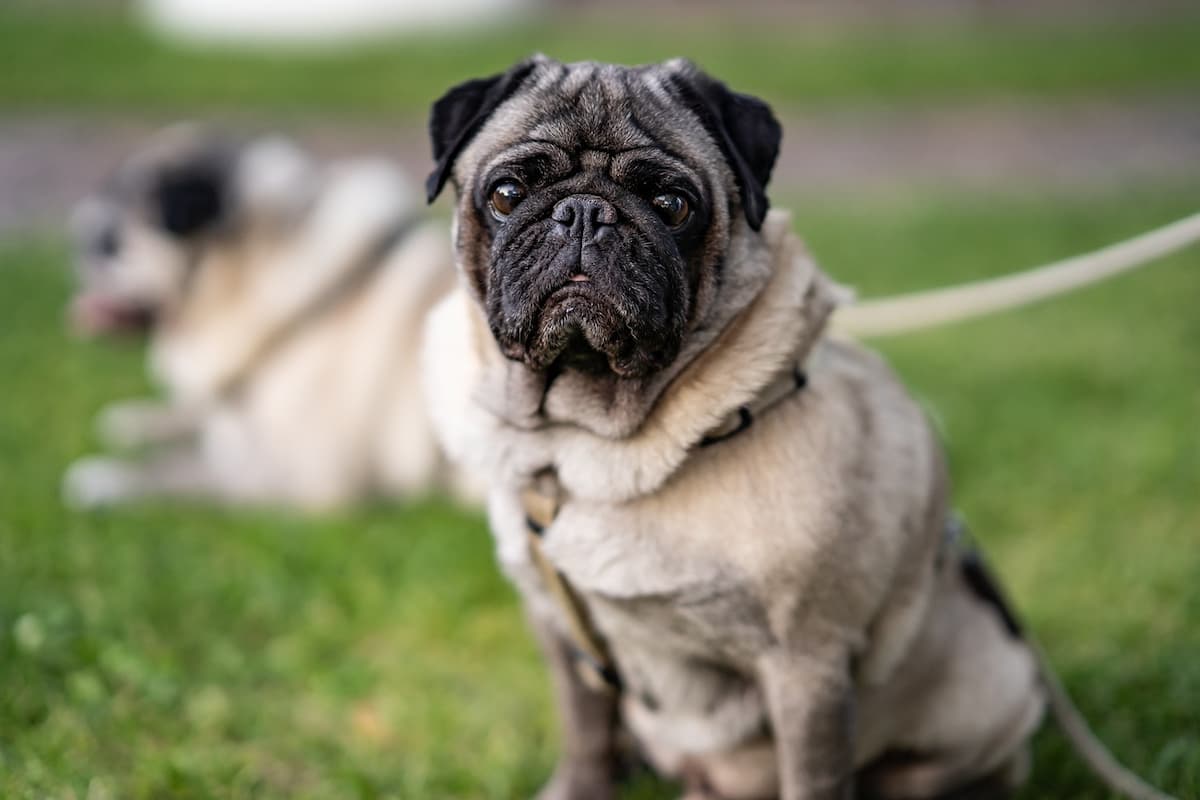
647	581
682	623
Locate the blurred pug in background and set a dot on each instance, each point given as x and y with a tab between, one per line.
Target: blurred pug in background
730	530
283	300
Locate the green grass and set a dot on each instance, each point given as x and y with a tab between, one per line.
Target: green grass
189	652
80	59
170	652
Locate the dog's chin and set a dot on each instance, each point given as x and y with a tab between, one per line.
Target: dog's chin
578	329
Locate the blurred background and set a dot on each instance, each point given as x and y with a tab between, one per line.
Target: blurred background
166	651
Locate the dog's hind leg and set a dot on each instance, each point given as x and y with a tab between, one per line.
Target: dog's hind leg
939	778
911	777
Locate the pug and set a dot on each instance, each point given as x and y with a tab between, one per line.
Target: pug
283	300
730	530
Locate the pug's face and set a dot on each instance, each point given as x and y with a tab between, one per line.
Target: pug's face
139	239
135	237
596	204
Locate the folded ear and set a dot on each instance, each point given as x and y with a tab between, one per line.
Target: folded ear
191	197
745	129
458	115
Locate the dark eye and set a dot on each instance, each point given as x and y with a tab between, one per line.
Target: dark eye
673	209
506	197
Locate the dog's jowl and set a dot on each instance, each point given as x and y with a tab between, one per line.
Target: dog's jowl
729	529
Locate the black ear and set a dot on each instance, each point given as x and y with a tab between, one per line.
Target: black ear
190	198
745	129
458	115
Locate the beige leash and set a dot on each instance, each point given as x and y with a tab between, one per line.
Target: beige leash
909	312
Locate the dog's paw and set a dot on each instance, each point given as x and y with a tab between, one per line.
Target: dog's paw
95	482
571	783
124	426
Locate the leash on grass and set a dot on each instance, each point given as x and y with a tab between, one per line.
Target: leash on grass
1070	720
1087	745
909	312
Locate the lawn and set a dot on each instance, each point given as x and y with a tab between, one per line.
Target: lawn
188	652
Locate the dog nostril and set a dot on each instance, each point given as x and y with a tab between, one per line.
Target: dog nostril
606	214
591	217
564	213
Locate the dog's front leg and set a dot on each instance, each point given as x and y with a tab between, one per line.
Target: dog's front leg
810	699
98	481
134	424
588	721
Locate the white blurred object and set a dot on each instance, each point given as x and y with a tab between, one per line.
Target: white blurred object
319	21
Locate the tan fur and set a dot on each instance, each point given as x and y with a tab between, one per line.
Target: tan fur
311	415
767	581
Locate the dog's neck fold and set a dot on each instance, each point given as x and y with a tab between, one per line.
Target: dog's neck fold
615	439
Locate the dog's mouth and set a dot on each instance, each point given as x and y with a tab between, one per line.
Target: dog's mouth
578	327
95	314
618	310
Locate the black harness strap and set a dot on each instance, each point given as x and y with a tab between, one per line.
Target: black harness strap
985	586
745	414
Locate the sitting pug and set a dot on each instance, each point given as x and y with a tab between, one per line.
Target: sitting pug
283	301
729	529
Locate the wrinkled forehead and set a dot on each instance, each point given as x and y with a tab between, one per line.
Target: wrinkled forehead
574	109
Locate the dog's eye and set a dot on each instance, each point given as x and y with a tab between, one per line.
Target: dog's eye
506	197
673	209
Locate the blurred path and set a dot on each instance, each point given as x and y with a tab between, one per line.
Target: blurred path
47	162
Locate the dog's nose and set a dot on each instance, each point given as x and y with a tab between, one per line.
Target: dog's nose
584	216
